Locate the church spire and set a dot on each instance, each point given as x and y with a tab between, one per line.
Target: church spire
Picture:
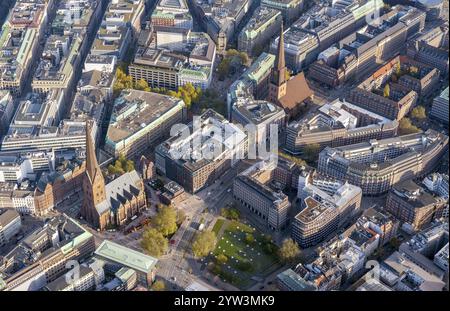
279	71
281	62
91	159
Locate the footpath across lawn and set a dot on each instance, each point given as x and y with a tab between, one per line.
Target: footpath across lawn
248	252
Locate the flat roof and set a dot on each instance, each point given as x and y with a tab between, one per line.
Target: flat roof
126	256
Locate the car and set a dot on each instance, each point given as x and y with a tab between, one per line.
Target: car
173	241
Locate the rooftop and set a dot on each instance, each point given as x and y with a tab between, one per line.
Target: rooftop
134	110
126	256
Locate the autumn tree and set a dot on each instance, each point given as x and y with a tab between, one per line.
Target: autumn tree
165	221
406	127
142	85
158	286
419	113
289	251
154	242
221	259
204	243
386	90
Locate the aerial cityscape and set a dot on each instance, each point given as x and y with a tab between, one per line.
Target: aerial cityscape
224	145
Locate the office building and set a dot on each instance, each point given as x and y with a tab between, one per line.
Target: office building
170	69
324	24
119	28
440	107
375	166
221	19
426	246
67	135
113	204
42	256
259	115
259	30
10	224
201	152
402	274
254	82
290	9
411	204
338	123
143	265
140	120
363	51
327	205
389	93
172	13
6	110
19	42
258	190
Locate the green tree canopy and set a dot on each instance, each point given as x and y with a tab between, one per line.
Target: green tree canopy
154	242
165	221
204	243
221	259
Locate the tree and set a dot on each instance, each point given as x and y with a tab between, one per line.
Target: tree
224	68
296	160
165	221
419	113
142	85
204	243
154	242
311	151
221	259
244	57
395	243
158	286
249	238
386	90
406	127
289	251
181	216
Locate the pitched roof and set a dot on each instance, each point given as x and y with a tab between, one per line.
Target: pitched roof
297	91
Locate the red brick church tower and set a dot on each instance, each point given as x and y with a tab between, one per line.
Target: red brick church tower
93	185
278	81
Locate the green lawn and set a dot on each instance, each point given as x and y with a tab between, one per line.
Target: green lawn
244	259
218	225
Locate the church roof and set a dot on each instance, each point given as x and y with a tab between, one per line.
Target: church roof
119	191
297	91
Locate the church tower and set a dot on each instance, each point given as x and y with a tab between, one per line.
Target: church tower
93	185
278	81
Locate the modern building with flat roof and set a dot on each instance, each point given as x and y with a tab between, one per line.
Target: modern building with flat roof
259	30
440	108
289	9
19	42
140	120
258	190
336	124
221	145
377	165
221	19
42	256
144	265
364	50
327	205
